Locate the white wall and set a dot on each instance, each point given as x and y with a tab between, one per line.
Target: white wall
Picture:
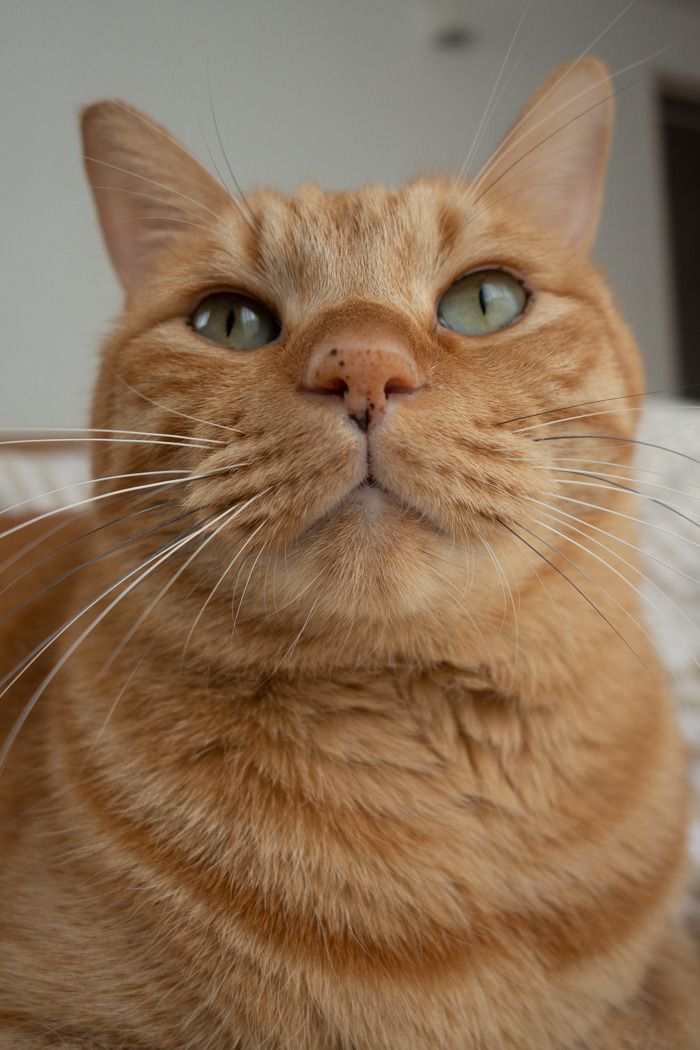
341	91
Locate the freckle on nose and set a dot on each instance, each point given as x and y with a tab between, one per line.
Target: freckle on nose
366	371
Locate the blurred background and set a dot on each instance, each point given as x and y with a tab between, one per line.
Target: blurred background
340	93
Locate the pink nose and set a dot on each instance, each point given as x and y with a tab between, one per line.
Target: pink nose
365	368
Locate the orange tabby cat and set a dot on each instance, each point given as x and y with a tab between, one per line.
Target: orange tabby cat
349	736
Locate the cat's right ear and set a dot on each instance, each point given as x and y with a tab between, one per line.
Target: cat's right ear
148	189
552	163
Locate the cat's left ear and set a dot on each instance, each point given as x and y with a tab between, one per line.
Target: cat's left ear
553	161
148	189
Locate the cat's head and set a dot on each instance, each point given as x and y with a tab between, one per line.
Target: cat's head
360	370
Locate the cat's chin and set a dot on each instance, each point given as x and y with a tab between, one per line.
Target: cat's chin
369	544
371	561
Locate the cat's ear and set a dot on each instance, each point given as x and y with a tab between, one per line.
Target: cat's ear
553	161
148	189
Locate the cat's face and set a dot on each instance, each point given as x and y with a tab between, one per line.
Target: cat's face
372	444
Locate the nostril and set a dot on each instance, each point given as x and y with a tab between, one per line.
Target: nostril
337	387
365	371
399	385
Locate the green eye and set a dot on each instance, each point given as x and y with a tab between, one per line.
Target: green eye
482	302
235	321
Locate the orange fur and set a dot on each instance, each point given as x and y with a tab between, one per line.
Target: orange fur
401	785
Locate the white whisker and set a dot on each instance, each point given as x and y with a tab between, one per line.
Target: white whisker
247	584
510	143
116	492
297	639
215	588
228	516
581	404
614	477
152	182
291	601
166	135
98	557
615	438
89	481
552	600
571	582
554	515
490	105
562	127
617	514
250	217
582	415
135	669
618	539
163	218
155	561
607	565
106	430
8	680
610	487
103	440
598	462
507	587
18	554
168	408
156	200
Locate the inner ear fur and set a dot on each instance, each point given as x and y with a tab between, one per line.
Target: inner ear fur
148	189
552	163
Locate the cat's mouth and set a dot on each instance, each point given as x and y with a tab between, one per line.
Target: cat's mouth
373	498
369	490
368	500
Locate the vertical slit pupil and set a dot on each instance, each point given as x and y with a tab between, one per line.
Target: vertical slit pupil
230	321
482	299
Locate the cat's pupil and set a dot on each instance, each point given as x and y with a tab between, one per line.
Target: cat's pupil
482	302
234	321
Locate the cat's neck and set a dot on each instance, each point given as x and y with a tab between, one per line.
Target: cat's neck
363	820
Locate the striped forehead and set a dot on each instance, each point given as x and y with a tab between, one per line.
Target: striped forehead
316	249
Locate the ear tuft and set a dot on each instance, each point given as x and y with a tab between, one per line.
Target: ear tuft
148	189
553	161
